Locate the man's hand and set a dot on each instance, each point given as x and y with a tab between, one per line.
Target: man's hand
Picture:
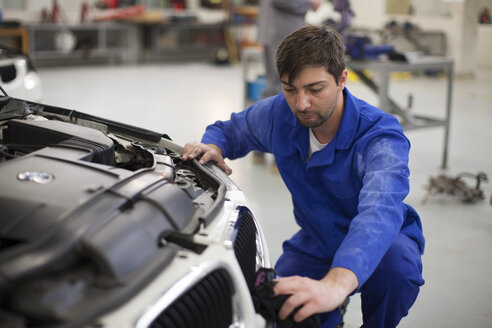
209	153
315	296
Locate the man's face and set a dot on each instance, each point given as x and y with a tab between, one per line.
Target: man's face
313	95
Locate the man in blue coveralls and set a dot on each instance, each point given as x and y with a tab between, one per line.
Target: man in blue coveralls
345	162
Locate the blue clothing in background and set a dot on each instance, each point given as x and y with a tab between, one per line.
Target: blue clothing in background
348	197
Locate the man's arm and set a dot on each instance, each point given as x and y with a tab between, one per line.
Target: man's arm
208	152
315	296
250	129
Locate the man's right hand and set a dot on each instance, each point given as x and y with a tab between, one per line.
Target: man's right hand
208	152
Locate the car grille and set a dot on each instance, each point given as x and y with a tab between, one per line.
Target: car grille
245	246
8	73
208	304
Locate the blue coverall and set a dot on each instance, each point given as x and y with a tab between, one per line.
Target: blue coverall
348	200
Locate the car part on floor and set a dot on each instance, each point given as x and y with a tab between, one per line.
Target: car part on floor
457	188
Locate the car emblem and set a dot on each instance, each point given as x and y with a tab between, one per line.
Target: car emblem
37	177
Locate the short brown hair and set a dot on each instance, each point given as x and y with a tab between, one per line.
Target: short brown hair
311	46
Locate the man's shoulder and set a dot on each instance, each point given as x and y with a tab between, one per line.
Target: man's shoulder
375	116
273	105
373	122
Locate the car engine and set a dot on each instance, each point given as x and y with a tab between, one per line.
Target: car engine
94	212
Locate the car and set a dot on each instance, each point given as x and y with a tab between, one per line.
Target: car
103	225
18	76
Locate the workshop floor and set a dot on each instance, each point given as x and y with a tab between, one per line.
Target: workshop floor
181	99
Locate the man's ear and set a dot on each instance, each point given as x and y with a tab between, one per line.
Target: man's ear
342	80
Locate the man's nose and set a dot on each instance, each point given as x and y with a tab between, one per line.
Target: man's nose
302	101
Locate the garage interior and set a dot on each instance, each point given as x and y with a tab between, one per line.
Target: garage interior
149	77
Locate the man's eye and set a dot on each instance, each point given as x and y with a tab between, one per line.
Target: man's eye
288	90
316	90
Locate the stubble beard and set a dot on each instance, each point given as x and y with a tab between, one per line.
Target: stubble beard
320	119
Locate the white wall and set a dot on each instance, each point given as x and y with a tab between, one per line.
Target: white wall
484	39
485	3
484	46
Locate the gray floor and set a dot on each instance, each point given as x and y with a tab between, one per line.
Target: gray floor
182	99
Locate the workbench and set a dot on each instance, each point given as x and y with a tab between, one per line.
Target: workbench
20	36
408	120
115	41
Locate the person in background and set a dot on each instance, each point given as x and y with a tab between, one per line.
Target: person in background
277	19
345	163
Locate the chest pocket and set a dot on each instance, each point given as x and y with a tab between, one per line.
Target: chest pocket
337	181
334	193
342	189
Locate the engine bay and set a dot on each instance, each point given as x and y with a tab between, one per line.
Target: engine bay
92	210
